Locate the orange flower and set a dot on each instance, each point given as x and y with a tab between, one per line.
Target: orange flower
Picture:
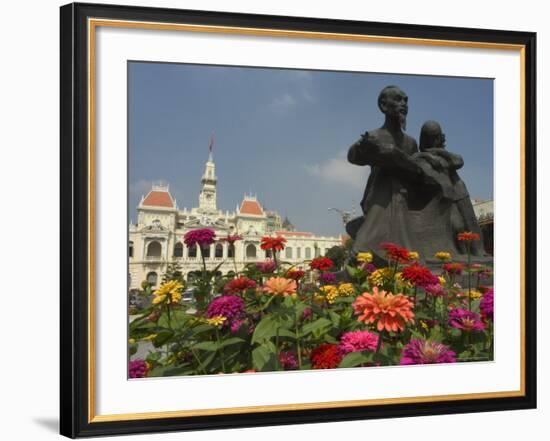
390	311
280	286
468	236
273	243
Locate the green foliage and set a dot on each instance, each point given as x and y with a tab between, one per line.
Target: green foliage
183	341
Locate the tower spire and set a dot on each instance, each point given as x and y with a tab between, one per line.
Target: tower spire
210	148
207	196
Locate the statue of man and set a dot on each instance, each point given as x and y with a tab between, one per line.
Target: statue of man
393	197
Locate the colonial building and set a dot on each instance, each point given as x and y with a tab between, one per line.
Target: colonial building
484	211
157	238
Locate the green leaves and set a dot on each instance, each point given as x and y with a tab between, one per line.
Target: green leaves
319	326
266	329
356	359
264	357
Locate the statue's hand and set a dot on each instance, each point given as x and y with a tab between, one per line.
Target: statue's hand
436	162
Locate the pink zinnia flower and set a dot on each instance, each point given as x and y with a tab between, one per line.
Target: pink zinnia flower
287	360
236	325
426	352
137	368
435	290
465	320
369	267
230	307
203	237
327	278
486	305
357	341
267	266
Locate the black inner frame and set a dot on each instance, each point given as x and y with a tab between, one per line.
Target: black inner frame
74	220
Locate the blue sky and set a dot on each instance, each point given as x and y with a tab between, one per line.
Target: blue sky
283	134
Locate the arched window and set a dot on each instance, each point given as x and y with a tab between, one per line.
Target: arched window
218	250
288	252
231	250
130	249
152	278
251	251
192	252
308	253
298	253
178	250
205	252
269	254
154	249
317	252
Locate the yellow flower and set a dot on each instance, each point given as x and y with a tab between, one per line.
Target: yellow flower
442	280
475	294
444	256
402	283
131	341
380	276
364	257
169	291
330	292
150	337
424	325
217	320
346	289
413	255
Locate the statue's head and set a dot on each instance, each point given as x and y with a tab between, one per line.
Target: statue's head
431	136
394	103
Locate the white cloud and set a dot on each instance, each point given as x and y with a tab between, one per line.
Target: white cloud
284	102
339	170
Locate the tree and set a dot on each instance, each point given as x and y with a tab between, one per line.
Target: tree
173	272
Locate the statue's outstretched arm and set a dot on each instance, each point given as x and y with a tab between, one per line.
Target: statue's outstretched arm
455	161
368	151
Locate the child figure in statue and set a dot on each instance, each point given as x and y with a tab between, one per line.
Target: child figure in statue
442	165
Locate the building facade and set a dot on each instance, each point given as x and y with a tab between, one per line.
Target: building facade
157	238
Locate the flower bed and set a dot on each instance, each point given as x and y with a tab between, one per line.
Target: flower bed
274	316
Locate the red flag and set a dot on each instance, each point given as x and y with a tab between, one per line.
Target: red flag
211	144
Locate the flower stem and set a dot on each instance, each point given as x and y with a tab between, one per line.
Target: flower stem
298	349
379	343
277	361
220	350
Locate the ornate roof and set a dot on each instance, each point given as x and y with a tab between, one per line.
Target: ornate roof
158	198
251	206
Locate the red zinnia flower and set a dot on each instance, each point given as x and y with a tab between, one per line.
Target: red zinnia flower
321	264
454	268
468	236
325	356
273	243
395	252
295	274
239	285
419	275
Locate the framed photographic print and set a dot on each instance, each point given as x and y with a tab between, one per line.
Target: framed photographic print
273	220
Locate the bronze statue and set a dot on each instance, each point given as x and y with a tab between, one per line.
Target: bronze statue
413	198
